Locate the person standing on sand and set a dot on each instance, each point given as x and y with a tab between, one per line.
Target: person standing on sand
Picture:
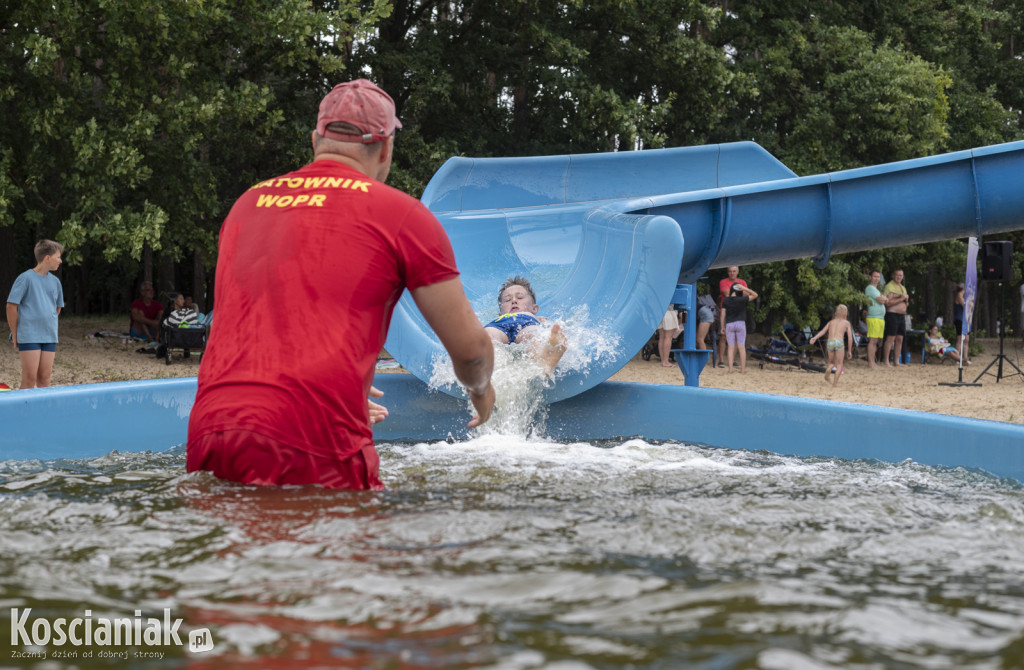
725	286
724	289
33	306
734	323
876	317
896	301
668	329
705	319
837	328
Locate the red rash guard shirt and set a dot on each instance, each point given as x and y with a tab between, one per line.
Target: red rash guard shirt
725	286
310	267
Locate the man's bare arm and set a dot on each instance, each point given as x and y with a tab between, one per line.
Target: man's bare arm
446	309
140	317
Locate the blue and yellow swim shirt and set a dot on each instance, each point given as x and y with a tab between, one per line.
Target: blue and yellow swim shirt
512	324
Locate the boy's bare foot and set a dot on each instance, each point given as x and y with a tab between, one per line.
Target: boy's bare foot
551	352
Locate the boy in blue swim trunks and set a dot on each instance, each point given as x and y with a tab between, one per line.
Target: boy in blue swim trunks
518	306
836	329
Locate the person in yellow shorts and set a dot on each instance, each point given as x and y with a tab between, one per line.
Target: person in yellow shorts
876	316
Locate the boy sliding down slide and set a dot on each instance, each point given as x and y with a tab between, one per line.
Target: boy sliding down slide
837	328
518	305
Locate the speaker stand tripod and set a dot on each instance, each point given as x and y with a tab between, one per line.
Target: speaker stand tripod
960	371
1000	357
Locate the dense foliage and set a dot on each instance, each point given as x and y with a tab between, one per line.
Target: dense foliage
130	127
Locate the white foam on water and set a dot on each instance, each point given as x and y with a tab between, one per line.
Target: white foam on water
620	552
519	379
515	458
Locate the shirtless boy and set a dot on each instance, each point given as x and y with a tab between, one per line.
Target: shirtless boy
518	306
836	329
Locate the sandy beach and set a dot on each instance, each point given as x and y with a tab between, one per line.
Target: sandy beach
83	358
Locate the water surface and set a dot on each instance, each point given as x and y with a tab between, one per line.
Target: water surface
518	554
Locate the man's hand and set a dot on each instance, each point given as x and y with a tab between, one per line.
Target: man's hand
484	405
446	309
377	412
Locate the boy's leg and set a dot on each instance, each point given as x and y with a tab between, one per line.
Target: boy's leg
551	351
45	369
29	368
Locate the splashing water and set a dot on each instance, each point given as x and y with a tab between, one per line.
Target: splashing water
495	552
519	380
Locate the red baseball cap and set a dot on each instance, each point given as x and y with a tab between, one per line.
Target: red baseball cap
364	105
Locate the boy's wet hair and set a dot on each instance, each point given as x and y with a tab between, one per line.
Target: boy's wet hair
517	281
46	248
841	308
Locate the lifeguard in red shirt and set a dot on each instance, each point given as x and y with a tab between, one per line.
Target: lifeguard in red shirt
283	396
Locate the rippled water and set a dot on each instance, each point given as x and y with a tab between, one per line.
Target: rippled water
507	553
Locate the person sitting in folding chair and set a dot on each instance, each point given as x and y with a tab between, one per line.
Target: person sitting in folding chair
939	346
180	314
177	328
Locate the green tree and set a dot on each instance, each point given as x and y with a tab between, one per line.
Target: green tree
525	77
134	125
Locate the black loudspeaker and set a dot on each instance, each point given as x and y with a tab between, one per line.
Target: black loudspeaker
997	263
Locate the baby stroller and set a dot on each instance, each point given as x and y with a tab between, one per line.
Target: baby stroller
184	334
651	347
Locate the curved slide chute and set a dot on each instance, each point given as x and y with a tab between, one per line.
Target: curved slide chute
601	231
622	271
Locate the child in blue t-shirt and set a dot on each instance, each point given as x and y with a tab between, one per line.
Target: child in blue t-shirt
33	305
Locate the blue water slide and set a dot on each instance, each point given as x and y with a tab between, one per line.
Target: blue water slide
598	230
961	194
559	221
